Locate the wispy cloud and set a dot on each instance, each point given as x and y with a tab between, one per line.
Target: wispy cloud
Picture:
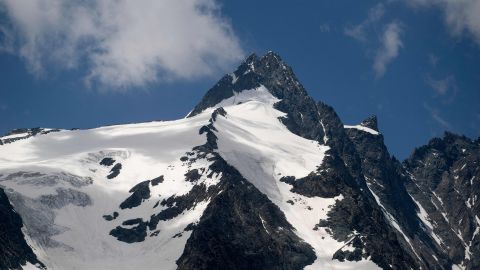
461	16
325	28
6	40
390	46
433	60
122	43
387	47
359	31
435	114
445	88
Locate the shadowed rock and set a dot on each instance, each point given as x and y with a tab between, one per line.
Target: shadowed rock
140	192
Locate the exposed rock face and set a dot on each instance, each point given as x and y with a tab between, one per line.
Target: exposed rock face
24	133
444	179
14	250
254	236
371	122
386	179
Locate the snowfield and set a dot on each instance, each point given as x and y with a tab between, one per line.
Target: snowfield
79	234
57	184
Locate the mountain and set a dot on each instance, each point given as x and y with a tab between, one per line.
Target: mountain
257	176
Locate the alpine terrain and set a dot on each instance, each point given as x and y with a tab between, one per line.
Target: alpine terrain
257	176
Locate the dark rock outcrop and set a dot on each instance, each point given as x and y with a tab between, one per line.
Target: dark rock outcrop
137	233
370	122
140	192
14	250
24	133
108	161
192	175
111	217
115	171
157	180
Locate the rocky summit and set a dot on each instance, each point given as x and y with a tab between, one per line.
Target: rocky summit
257	176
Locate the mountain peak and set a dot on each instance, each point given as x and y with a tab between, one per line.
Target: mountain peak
272	57
269	70
251	58
269	63
370	122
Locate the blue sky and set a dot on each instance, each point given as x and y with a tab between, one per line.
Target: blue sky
81	64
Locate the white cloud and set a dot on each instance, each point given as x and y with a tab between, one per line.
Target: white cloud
461	16
390	46
123	43
359	32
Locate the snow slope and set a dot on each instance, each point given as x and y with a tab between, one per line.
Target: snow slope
75	236
61	191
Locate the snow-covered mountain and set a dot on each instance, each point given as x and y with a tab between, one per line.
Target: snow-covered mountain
257	176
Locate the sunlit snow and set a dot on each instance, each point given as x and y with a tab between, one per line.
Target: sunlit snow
250	137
